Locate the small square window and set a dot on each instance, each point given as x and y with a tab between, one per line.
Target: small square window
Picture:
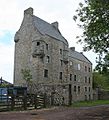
38	43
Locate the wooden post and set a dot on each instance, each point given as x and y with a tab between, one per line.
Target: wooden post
52	98
12	102
25	102
70	94
35	101
45	100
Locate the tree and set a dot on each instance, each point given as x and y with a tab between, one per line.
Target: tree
27	77
100	81
93	18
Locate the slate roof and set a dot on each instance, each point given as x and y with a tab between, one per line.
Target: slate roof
48	29
79	56
4	82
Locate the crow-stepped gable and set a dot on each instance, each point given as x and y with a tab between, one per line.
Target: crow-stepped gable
41	48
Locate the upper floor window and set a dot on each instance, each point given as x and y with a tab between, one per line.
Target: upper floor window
85	89
46	73
74	88
79	67
89	89
61	62
61	51
70	77
60	76
74	77
47	59
85	79
85	68
89	79
46	46
71	63
89	69
38	43
79	89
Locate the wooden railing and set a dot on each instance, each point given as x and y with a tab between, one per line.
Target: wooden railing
21	102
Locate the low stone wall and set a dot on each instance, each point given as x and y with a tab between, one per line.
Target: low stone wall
103	95
100	94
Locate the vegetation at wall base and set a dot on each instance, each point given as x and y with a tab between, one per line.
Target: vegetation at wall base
90	103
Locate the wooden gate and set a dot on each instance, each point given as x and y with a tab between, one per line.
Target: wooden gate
30	101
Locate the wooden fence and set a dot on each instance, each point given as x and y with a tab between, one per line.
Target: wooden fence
30	101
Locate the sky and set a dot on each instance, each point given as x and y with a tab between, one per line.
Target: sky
11	16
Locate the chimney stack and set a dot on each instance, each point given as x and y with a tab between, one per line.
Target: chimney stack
55	24
29	11
72	48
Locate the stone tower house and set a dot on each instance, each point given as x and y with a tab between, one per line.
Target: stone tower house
40	47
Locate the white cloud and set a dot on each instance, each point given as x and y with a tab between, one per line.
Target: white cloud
6	62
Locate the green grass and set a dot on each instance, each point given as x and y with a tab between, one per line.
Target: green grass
90	103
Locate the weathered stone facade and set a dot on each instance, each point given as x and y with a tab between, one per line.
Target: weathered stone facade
40	47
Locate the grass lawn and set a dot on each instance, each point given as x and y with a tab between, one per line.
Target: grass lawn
90	103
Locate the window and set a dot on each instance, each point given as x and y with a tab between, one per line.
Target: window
89	69
89	89
85	89
85	68
74	77
71	63
70	77
60	76
89	97
74	88
38	43
47	59
79	67
46	73
46	46
89	79
61	62
79	89
85	97
61	51
85	79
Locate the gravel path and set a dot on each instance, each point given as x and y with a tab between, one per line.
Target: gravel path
60	113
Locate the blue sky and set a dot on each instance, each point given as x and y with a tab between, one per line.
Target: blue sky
11	15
